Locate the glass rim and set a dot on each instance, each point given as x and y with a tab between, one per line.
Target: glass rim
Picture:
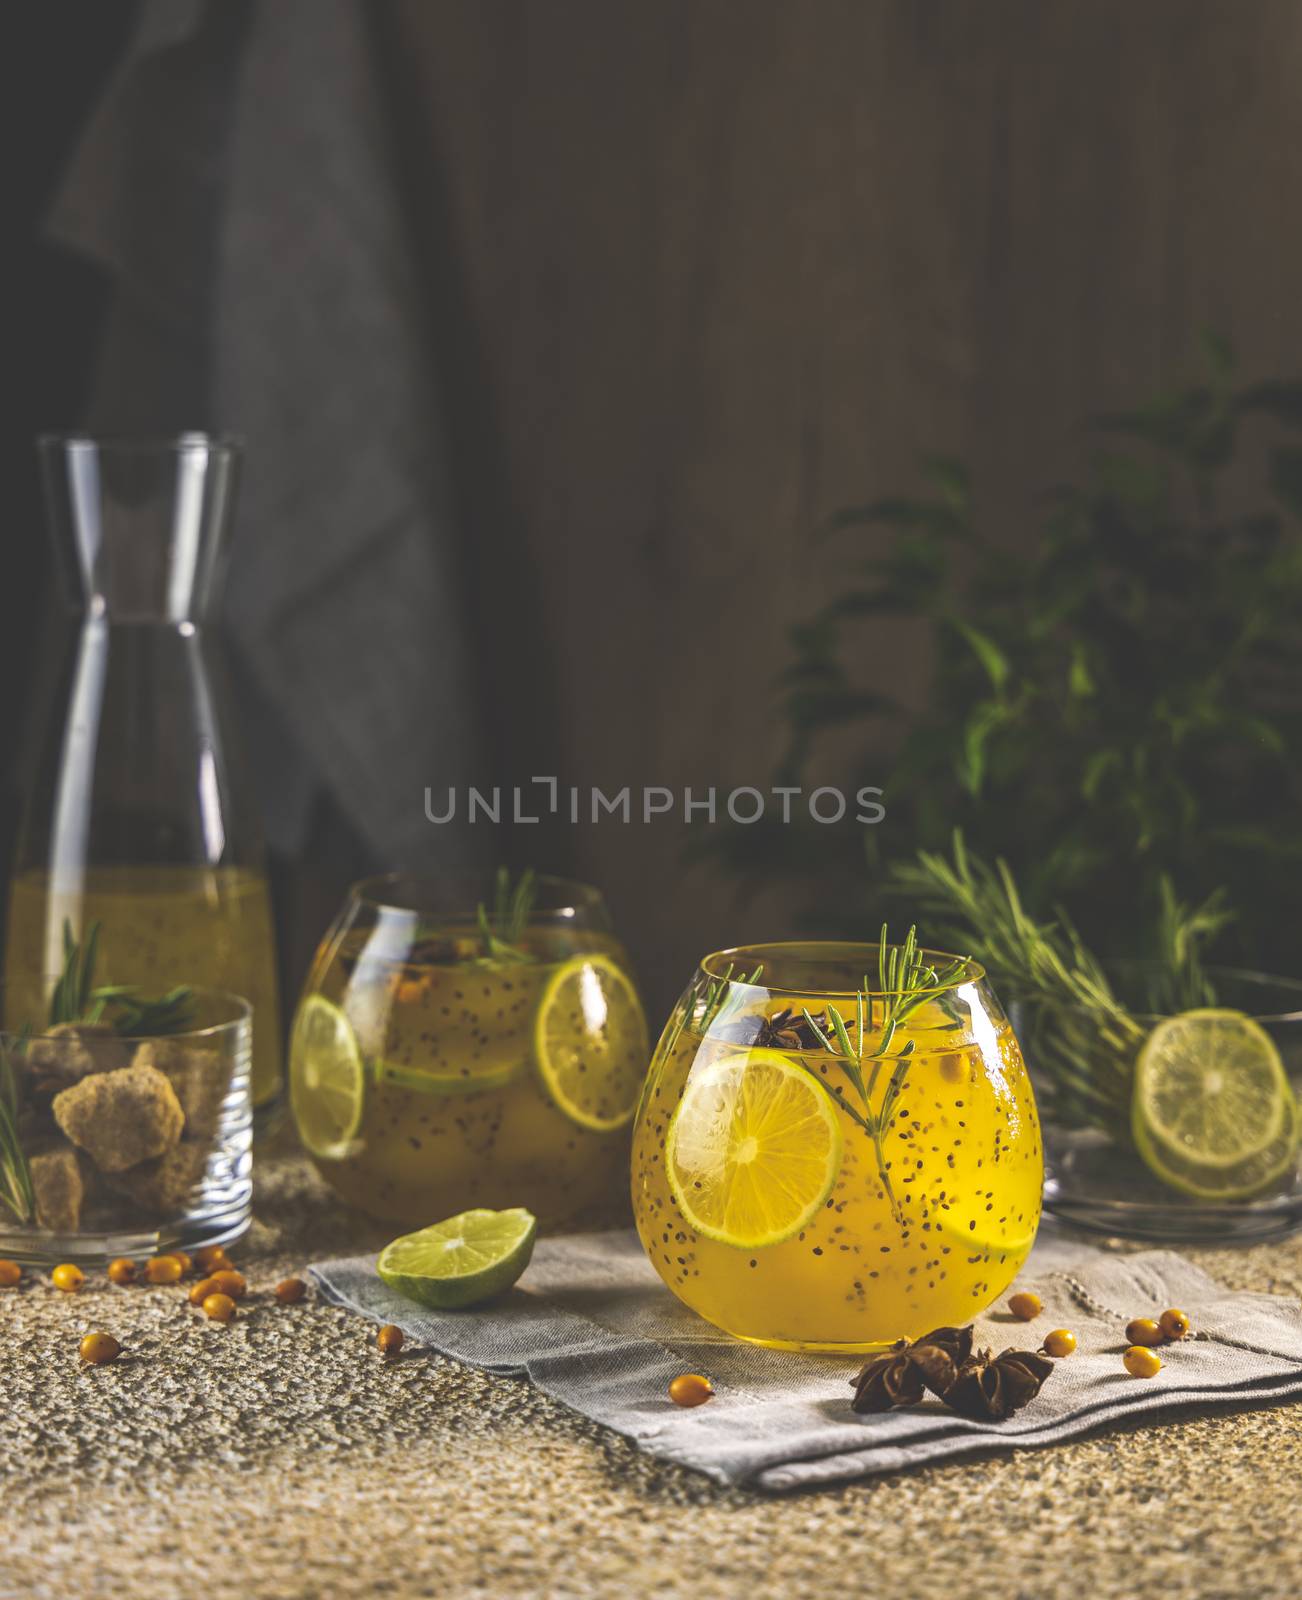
723	965
453	895
236	1003
229	444
1245	975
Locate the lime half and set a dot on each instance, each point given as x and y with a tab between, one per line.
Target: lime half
327	1086
458	1263
753	1150
590	1042
1212	1112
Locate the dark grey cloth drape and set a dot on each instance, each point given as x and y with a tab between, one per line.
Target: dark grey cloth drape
237	180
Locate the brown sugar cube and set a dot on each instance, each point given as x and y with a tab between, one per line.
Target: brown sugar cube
121	1118
200	1079
58	1188
71	1051
165	1184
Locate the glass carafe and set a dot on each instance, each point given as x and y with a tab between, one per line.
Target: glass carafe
139	816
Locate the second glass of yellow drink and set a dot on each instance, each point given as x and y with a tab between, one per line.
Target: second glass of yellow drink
473	1046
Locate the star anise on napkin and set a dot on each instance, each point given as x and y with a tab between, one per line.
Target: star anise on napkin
901	1375
975	1384
889	1380
987	1386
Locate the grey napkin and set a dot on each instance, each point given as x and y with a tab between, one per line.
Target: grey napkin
592	1325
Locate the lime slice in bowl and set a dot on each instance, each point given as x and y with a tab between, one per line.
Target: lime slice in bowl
753	1150
590	1042
1256	1175
1212	1111
460	1262
327	1084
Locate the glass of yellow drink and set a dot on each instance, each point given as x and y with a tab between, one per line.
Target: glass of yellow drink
447	1055
837	1145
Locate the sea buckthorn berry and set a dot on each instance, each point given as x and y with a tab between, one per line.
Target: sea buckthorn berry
123	1270
99	1348
289	1291
10	1274
955	1069
1174	1324
220	1307
162	1269
1141	1362
228	1281
1143	1330
200	1291
186	1264
212	1258
1061	1342
1025	1307
390	1339
68	1278
690	1389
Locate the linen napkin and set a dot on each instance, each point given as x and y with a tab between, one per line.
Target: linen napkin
592	1325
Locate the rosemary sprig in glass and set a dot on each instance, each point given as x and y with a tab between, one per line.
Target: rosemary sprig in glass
703	1004
16	1191
501	933
907	981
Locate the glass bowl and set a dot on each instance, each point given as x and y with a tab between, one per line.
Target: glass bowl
1094	1177
809	1175
442	1059
123	1145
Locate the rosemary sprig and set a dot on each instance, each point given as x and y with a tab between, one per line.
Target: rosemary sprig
710	996
501	933
77	998
1079	1034
16	1190
907	981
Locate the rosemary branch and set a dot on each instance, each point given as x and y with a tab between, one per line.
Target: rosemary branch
907	982
501	933
1081	1037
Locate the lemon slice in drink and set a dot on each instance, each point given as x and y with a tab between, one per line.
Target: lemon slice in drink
327	1086
458	1263
753	1150
1212	1112
590	1042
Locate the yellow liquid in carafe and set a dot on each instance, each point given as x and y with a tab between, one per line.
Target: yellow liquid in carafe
209	927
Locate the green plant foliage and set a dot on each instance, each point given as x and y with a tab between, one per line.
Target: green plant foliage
1115	704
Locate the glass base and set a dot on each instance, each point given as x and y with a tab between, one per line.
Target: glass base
219	1225
807	1347
1092	1184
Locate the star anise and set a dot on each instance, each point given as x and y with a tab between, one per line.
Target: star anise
905	1371
784	1030
987	1386
888	1381
975	1384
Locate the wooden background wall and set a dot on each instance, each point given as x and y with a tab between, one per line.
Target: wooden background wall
714	267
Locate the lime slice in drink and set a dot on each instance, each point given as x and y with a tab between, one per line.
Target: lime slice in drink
327	1087
590	1042
753	1150
442	1085
460	1262
1212	1112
